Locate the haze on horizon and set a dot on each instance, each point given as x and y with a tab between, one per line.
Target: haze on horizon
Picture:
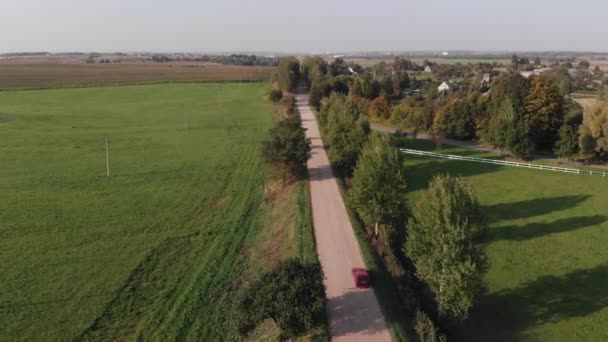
313	26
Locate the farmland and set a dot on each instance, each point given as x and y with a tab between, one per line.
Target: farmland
545	245
369	62
52	75
158	250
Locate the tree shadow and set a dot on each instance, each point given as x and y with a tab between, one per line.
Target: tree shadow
421	173
355	313
531	208
533	230
320	173
504	315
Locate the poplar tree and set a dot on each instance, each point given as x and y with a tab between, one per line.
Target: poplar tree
379	184
442	242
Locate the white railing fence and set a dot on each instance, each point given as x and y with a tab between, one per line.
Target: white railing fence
502	162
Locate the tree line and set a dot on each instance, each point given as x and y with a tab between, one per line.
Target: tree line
516	114
436	240
292	294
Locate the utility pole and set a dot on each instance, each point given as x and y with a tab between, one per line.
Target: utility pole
107	158
219	93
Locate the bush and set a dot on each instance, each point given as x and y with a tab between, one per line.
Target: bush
426	330
293	295
275	95
289	102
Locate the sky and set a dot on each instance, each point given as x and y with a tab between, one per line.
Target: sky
311	26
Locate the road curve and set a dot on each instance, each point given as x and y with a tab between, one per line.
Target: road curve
354	314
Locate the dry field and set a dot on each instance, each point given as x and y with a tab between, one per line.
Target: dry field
54	75
368	62
589	101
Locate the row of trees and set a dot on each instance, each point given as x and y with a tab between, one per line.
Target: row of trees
519	116
293	293
441	236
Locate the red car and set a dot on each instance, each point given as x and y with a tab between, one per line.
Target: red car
361	277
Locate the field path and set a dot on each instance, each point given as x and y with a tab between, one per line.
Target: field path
354	314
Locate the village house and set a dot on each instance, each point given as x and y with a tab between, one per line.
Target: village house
428	69
444	87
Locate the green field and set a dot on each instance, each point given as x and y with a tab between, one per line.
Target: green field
546	246
158	250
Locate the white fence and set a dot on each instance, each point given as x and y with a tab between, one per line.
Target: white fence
502	162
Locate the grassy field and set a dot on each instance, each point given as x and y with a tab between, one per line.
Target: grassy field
159	250
546	246
35	76
589	101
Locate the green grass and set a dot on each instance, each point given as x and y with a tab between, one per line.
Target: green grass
155	252
304	232
546	245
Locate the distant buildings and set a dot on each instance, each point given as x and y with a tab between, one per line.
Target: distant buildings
535	72
428	69
486	78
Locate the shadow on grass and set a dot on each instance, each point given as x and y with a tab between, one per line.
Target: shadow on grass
531	208
420	174
503	316
533	230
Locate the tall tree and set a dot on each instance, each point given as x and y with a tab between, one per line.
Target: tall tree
379	186
346	129
338	67
544	112
593	139
288	73
313	69
513	86
506	130
287	147
380	108
455	120
443	243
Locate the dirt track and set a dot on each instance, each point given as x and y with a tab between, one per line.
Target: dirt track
354	314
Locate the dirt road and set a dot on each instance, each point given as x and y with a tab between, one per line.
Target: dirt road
354	314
